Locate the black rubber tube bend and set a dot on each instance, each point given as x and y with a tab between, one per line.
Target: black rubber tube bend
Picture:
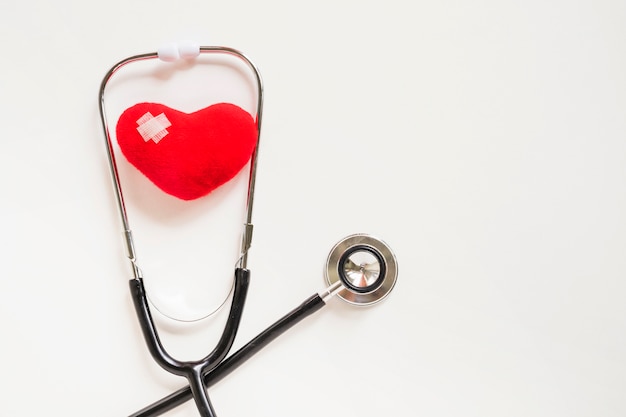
308	307
194	371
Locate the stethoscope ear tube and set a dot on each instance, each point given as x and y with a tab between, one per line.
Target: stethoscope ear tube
119	197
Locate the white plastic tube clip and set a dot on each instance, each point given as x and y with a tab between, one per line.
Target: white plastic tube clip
168	52
188	49
171	52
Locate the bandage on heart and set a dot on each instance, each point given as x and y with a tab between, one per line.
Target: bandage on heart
153	128
187	155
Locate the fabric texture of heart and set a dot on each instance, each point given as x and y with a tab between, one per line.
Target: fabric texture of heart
187	155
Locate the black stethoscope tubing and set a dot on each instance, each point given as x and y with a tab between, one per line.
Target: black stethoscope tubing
308	307
194	371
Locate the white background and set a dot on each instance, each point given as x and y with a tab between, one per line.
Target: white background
484	141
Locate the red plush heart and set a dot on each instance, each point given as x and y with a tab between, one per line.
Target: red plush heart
187	155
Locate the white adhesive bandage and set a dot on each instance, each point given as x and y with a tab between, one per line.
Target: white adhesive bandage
153	128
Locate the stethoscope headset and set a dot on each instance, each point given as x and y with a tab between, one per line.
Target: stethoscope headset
360	269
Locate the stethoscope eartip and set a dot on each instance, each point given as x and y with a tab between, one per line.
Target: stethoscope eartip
366	268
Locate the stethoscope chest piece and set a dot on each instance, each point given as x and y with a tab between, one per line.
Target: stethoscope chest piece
366	268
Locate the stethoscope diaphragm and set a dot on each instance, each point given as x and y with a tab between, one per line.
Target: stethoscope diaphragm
365	266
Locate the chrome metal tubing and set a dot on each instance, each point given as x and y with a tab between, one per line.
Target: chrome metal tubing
119	196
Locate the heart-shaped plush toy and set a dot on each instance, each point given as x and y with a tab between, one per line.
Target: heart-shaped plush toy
187	155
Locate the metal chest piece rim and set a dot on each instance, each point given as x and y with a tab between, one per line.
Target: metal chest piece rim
366	268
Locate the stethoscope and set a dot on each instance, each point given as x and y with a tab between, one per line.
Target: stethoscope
360	269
